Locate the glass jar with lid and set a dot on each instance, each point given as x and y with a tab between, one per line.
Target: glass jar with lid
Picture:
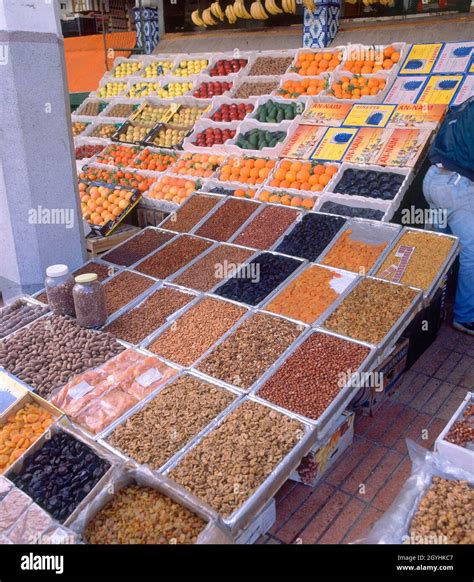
89	301
59	283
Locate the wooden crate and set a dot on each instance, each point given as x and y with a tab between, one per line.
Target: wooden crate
148	216
97	245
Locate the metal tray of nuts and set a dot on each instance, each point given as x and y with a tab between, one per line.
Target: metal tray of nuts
252	312
324	422
244	514
398	327
172	216
63	425
29	300
447	263
135	304
103	437
145	344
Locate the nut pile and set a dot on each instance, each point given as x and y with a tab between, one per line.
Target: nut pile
462	431
98	397
351	211
314	374
137	247
60	474
18	314
138	323
270	66
222	224
141	515
257	279
251	88
370	310
250	350
207	272
196	331
178	253
311	236
21	430
52	350
191	213
308	296
445	513
267	227
430	253
123	288
168	422
229	463
352	254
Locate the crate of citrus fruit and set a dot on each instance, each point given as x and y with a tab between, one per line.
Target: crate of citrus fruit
104	206
315	63
368	60
302	175
361	88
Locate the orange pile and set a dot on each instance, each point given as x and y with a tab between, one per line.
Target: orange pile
291	89
246	170
154	161
173	189
118	155
286	199
356	87
372	65
353	255
118	177
21	431
313	64
100	204
302	176
199	165
307	296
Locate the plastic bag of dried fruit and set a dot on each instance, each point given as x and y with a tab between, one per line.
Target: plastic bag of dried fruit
431	501
99	396
137	506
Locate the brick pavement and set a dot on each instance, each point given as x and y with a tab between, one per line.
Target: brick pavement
368	476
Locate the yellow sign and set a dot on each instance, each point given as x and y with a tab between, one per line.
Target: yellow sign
302	142
329	114
334	144
369	115
404	147
421	59
440	89
367	146
421	115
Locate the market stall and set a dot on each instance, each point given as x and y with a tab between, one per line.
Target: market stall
235	335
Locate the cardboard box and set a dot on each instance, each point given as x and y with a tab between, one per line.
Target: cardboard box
390	372
323	454
460	456
259	526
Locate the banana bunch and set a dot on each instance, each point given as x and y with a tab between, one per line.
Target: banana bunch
240	11
258	11
196	18
309	5
207	18
289	6
216	10
272	8
231	16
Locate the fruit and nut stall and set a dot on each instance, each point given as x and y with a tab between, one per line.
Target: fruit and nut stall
166	394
